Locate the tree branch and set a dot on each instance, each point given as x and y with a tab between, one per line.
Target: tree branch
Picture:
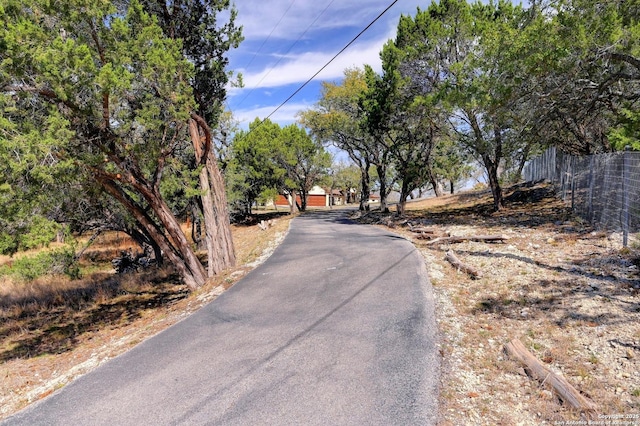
202	124
631	60
44	92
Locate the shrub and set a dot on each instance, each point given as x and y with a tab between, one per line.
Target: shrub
41	232
59	261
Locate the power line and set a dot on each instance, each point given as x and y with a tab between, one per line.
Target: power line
270	34
324	66
284	54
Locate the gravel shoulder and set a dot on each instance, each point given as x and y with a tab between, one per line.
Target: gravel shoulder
64	338
570	293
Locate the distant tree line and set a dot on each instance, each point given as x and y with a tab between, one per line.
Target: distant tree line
267	160
491	83
111	114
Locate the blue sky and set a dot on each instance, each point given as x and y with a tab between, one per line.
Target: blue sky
288	41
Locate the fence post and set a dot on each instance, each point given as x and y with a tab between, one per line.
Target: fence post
553	154
573	182
592	160
626	185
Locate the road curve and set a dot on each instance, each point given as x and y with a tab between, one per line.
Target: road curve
336	328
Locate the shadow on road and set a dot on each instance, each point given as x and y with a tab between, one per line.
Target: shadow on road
329	216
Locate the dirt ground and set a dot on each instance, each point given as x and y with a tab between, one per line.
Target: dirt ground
570	293
54	330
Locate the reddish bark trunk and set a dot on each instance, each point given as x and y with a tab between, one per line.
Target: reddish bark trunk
223	246
218	239
176	249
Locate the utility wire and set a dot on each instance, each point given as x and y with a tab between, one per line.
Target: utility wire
284	54
323	67
270	34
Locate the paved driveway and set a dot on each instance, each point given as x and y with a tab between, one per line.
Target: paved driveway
336	328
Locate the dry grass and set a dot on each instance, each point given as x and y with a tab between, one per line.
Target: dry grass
568	292
54	329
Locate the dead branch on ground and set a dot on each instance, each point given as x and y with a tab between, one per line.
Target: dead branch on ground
458	264
477	238
560	385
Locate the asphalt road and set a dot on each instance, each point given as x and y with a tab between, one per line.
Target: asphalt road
335	328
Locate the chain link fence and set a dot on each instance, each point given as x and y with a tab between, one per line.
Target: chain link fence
603	189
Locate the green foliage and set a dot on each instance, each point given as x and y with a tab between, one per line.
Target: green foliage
304	160
269	159
451	162
587	90
30	267
337	119
253	170
511	80
58	83
345	177
95	96
470	61
627	132
205	42
41	233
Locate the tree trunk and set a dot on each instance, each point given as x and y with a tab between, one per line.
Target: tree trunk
206	201
303	201
171	224
451	186
224	247
494	183
433	180
177	249
220	250
210	229
496	190
382	178
490	164
293	203
366	185
404	194
196	226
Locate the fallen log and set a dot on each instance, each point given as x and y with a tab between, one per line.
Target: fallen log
478	238
457	263
422	235
562	388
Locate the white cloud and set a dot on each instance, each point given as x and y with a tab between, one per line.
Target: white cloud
288	19
270	81
300	68
285	115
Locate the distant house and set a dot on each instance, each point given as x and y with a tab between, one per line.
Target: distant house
317	197
373	198
393	197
